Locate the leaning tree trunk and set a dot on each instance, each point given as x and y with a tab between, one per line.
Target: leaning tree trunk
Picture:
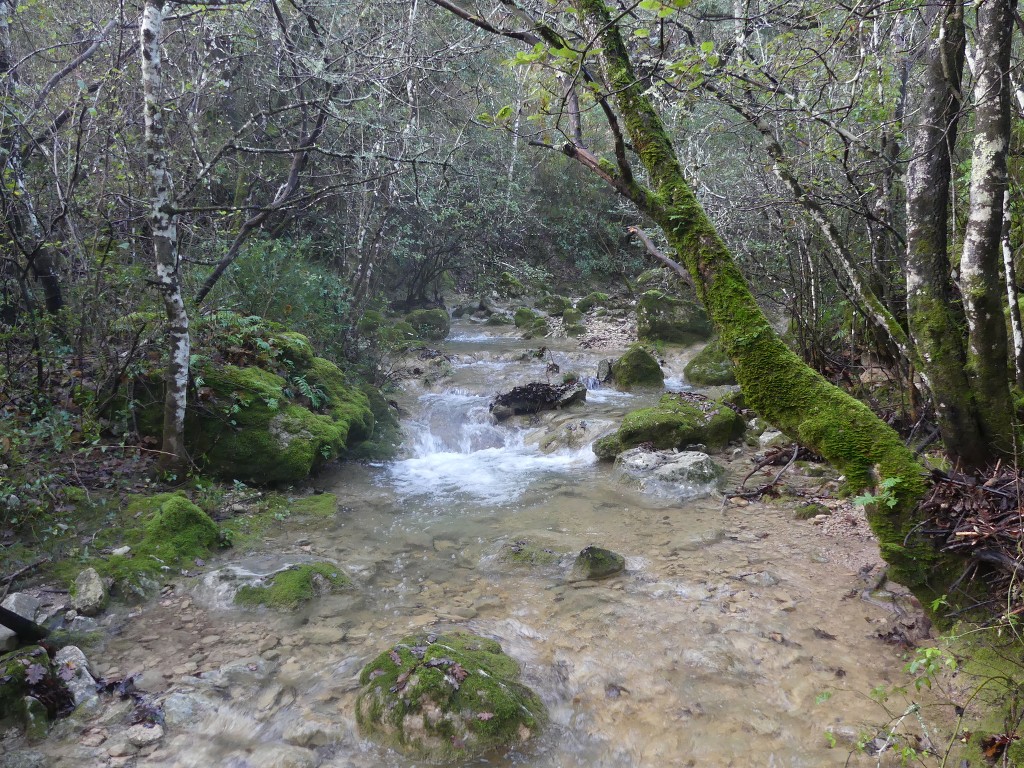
163	222
980	284
936	320
777	384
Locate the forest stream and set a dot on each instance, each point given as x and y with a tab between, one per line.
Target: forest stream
735	637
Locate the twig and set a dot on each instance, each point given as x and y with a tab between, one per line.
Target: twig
8	580
675	266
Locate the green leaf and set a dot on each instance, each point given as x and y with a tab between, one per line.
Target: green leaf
503	114
707	46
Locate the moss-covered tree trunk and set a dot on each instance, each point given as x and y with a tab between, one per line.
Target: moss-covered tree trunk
937	322
777	383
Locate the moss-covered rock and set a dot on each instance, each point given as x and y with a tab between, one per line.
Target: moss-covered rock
528	552
711	366
677	421
446	697
29	672
663	316
539	328
430	324
294	586
508	287
500	318
573	320
525	317
597	563
637	368
554	304
592	300
385	433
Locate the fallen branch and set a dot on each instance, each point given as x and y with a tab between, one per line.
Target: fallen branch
675	266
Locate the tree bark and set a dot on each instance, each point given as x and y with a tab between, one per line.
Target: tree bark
980	263
935	316
163	222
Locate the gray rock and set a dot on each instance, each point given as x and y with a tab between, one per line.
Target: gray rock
772	438
185	709
24	758
35	719
121	551
81	684
307	730
90	593
8	640
143	735
22	604
682	475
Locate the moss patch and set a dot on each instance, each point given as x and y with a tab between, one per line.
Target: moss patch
446	697
711	366
554	304
668	317
289	589
430	324
29	672
637	368
592	300
527	552
317	505
509	287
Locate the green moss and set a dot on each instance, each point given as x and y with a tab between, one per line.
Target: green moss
316	505
675	422
597	563
526	552
386	435
289	589
608	447
554	304
446	697
637	368
664	317
809	510
430	324
509	287
525	317
711	366
15	685
591	300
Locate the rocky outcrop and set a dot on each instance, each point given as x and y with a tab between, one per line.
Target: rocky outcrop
537	397
679	421
446	697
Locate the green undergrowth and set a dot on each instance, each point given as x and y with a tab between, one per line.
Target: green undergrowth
289	589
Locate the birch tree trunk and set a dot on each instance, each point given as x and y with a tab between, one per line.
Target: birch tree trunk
980	284
163	222
935	319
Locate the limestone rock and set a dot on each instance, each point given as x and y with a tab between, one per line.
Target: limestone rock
22	604
142	735
637	368
682	475
711	366
80	682
90	596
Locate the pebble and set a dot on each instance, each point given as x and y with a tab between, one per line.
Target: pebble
324	635
121	747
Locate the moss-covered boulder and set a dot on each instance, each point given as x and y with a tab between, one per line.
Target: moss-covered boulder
671	317
597	563
679	420
446	697
288	589
637	368
711	366
592	300
430	324
529	552
29	673
524	317
573	321
508	287
554	304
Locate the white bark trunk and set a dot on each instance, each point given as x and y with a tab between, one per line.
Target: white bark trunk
163	221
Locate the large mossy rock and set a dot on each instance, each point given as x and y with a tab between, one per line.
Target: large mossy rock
591	300
508	287
637	368
267	410
554	304
573	320
430	324
679	420
671	317
711	366
597	563
446	697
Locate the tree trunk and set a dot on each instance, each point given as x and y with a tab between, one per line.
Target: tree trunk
777	384
935	317
980	263
163	222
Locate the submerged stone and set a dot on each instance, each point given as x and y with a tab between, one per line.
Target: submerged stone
298	584
446	697
528	552
597	563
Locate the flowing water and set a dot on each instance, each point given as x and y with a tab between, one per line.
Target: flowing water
713	648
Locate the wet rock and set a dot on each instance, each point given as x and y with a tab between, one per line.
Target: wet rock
430	324
528	552
310	731
772	438
710	367
77	677
446	697
25	758
142	735
675	316
597	563
537	397
34	718
119	746
281	756
298	584
185	709
90	593
683	475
